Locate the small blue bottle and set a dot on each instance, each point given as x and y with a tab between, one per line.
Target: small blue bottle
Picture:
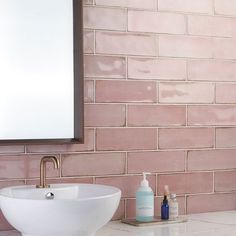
165	209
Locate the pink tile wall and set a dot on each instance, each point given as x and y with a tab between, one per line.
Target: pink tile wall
160	85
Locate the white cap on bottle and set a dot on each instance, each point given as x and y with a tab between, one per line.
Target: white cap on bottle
144	182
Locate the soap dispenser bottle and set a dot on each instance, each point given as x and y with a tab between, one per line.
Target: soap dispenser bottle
144	201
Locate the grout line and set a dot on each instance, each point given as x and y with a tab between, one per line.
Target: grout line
126	163
215	139
186	115
186	204
125	206
126	68
123	151
157	45
187	70
186	161
94	42
157	93
93	91
152	33
94	140
213	182
158	140
214	92
187	24
163	58
170	104
156	186
165	127
126	115
122	56
61	164
127	19
213	8
210	193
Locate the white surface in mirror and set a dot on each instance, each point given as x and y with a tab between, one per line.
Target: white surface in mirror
36	74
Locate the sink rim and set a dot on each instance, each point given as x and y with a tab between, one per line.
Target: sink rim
116	190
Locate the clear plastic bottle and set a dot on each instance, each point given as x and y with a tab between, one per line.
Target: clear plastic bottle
173	207
144	201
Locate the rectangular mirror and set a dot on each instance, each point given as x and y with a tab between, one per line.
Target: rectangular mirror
41	71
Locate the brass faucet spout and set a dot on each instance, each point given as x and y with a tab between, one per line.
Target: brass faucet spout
43	162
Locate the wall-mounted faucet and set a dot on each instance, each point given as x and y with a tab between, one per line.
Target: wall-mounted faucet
43	162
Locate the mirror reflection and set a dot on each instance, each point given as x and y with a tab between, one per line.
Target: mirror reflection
36	69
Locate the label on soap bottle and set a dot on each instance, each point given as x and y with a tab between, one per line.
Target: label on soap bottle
144	206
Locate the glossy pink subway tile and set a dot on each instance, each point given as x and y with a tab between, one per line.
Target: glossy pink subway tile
185	93
225	181
104	66
226	137
92	14
156	69
201	182
211	159
219	202
156	22
200	6
88	91
226	7
212	115
212	26
212	70
224	48
121	139
226	93
156	115
104	115
139	162
126	91
186	46
11	149
87	2
174	138
126	43
88	41
93	164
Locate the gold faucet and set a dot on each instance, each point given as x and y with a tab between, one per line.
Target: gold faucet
43	162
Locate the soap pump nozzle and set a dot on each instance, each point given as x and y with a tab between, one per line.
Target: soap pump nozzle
144	182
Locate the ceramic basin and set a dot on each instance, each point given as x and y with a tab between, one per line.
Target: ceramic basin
75	210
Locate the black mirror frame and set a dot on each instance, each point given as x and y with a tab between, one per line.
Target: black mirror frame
78	86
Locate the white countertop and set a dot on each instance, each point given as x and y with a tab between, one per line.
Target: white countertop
207	224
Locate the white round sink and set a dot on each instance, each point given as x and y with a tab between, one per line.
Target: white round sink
61	210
